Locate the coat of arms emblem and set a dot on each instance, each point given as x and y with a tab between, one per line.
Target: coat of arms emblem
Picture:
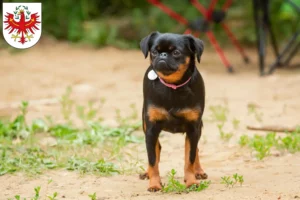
22	24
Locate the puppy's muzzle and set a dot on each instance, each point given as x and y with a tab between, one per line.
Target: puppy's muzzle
162	65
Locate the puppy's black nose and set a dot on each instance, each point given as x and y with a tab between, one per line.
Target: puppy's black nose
163	55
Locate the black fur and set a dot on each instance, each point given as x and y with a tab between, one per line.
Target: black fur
191	95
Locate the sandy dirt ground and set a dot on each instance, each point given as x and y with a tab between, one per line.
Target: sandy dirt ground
42	73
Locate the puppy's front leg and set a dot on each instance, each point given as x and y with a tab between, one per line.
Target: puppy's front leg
191	164
153	150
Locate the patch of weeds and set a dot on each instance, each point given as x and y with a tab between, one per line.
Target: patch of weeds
253	109
224	136
93	196
231	181
21	147
235	123
175	186
219	113
84	166
262	145
291	142
64	131
30	160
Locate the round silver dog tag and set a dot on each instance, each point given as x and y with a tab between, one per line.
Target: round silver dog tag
152	75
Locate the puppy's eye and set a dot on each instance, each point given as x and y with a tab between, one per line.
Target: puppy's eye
154	53
176	53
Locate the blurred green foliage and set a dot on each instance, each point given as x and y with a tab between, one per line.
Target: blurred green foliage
123	23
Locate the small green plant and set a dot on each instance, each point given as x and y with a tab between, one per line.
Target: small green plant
93	196
238	179
260	145
174	185
53	196
231	181
227	180
224	136
244	140
218	113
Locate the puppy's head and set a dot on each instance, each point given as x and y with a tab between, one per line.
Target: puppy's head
171	54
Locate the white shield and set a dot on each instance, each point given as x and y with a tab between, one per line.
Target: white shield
22	24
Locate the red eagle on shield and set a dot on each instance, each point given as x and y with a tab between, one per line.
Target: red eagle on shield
23	26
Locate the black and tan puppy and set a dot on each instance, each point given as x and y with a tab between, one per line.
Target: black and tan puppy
174	96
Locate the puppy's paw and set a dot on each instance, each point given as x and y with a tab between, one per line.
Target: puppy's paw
155	184
200	176
190	179
144	176
189	183
154	188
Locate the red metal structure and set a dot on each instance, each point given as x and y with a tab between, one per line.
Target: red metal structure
211	15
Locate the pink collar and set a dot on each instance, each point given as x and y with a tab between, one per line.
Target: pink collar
174	87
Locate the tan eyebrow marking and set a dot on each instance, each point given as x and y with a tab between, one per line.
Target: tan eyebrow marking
171	47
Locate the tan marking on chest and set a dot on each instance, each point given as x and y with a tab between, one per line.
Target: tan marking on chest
176	76
190	114
157	114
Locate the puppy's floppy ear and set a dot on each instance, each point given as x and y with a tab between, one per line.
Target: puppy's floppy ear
195	45
146	43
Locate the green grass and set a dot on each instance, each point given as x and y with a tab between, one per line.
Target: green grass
83	166
262	145
231	181
90	148
175	186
